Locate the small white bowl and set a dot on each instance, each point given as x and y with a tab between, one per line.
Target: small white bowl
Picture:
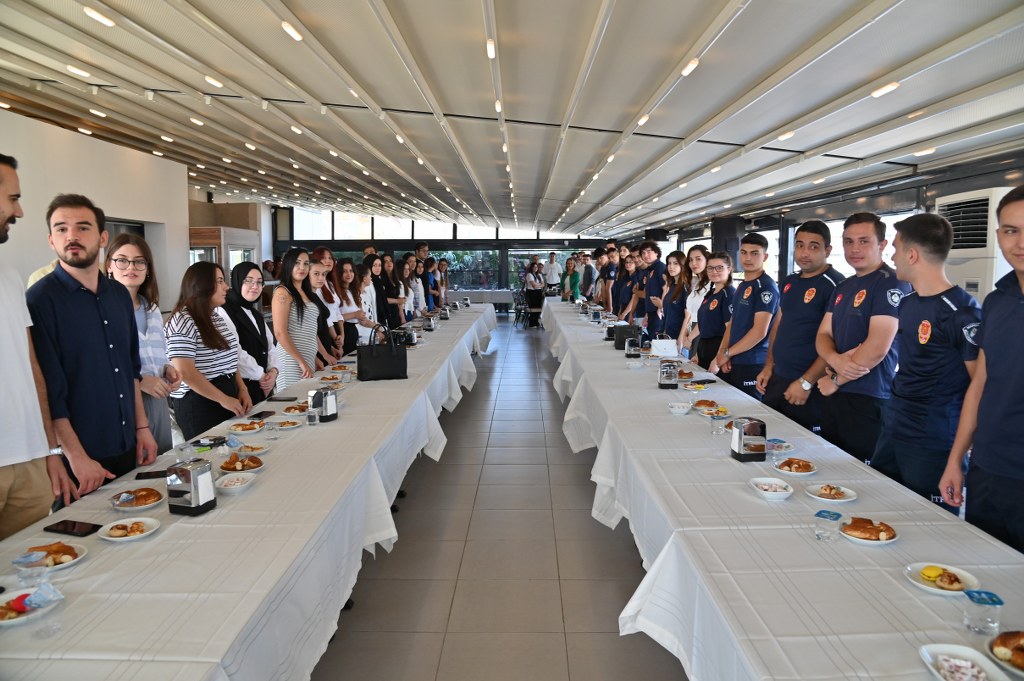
680	408
634	365
239	483
772	496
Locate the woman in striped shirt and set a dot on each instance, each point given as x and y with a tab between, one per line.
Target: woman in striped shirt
130	262
295	317
205	353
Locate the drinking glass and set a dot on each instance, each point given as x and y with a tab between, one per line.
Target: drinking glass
981	612
271	430
313	416
826	526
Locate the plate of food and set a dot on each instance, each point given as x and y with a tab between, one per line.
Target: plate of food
941	579
251	449
14	610
238	464
297	408
246	427
684	374
341	367
794	466
1008	651
772	489
129	529
830	492
868	532
234	483
694	387
947	661
136	499
59	556
778	445
705	404
288	424
715	411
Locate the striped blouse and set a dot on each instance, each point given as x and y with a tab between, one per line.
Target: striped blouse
152	344
183	340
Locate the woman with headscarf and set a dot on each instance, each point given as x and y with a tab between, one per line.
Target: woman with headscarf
257	360
375	265
392	292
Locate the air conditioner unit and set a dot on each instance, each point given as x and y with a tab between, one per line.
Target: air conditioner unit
975	262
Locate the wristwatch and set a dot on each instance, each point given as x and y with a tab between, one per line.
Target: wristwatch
57	451
805	384
725	353
835	379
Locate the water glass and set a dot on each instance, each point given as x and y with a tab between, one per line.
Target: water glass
346	376
826	526
313	416
981	612
33	576
718	424
271	430
184	452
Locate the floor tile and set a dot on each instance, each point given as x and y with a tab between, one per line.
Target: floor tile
510	559
462	455
522	439
399	605
516	455
610	657
489	606
577	496
513	474
594	605
503	657
434	524
513	497
433	473
416	559
370	656
522	415
597	559
438	496
511	524
458	440
569	474
579	524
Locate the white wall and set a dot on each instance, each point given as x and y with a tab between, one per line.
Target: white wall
126	184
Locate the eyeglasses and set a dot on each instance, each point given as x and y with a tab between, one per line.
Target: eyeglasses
253	282
122	263
716	268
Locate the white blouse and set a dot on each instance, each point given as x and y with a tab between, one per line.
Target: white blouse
334	309
247	364
369	300
694	300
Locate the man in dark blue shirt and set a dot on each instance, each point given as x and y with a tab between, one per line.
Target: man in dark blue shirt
936	339
653	276
744	347
608	274
856	341
793	366
83	328
993	409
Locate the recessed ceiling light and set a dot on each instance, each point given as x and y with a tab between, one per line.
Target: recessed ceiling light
167	139
508	168
332	152
223	181
497	105
191	174
262	172
296	130
93	14
643	119
925	152
654	200
97	112
818	181
323	177
385	184
716	169
84	131
243	179
915	114
611	158
728	205
596	175
157	153
688	69
316	191
786	135
250	146
504	148
78	72
366	172
491	52
226	159
4	105
290	30
295	165
399	138
420	161
196	121
353	93
683	185
270	186
770	194
214	82
201	166
885	89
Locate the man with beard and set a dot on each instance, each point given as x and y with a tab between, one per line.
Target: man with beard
88	345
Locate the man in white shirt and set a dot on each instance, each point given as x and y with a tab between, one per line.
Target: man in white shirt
553	271
30	475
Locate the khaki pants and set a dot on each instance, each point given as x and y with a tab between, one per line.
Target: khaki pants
25	495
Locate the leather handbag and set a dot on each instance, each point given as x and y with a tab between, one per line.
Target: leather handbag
664	346
381	361
624	332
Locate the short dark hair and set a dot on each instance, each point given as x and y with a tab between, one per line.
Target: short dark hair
651	245
551	253
598	252
369	246
930	232
420	244
870	218
76	201
817	227
8	161
1013	196
613	240
755	238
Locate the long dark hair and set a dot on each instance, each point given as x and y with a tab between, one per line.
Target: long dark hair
394	278
622	273
361	272
339	267
197	287
332	277
148	289
287	267
681	282
702	278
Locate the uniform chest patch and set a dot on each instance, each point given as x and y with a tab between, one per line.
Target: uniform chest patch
746	293
839	299
859	298
809	295
924	332
713	305
786	288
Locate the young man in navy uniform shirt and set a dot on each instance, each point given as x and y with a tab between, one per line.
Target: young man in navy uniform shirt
653	276
856	341
936	339
793	366
745	343
993	409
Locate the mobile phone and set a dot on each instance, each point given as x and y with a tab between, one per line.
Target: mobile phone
75	528
281	398
261	415
704	381
211	441
151	475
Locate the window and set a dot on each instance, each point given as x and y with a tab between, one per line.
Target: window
313	225
426	230
392	228
351	226
517	234
474	232
471	269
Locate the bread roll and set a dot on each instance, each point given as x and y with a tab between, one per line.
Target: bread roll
1009	647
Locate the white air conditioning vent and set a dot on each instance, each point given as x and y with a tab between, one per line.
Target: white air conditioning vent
970	220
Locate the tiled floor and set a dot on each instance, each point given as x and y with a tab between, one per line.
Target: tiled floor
499	572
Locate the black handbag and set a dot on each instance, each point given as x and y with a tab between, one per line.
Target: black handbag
381	361
622	333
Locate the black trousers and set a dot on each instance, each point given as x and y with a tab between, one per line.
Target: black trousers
351	338
914	465
255	391
807	415
195	414
743	377
535	300
993	505
707	349
852	422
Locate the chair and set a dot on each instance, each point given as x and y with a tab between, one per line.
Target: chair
519	307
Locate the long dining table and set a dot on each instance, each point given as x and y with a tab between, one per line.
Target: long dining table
251	589
737	586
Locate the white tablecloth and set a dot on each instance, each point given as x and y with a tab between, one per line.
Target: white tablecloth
738	587
252	589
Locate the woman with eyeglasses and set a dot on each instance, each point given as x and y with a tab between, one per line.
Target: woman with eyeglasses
205	353
130	262
256	361
715	310
295	318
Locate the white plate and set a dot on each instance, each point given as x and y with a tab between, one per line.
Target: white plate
296	420
867	542
79	549
132	509
913	573
265	449
693	387
223	480
233	429
930	655
771	496
28	616
797	475
247	470
152	524
812	491
296	409
1011	671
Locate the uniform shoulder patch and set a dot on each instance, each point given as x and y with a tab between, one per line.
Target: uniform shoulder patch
766	297
971	332
894	296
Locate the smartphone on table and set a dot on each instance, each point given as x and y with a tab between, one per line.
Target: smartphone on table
74	528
